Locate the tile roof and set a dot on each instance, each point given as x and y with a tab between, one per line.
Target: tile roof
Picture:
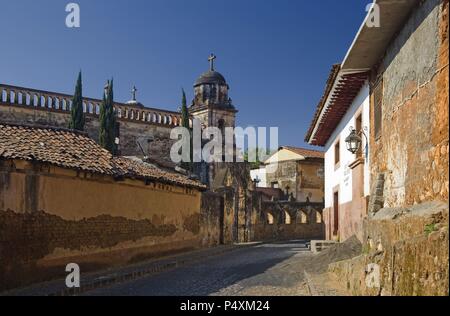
135	168
329	85
75	150
340	91
307	153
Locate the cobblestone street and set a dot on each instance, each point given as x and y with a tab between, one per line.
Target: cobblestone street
268	269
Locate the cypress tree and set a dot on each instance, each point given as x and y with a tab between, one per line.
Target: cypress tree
184	111
185	124
76	114
108	120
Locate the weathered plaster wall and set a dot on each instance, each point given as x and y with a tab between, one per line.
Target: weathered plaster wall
406	248
413	150
130	131
310	181
50	217
284	175
405	253
212	217
303	179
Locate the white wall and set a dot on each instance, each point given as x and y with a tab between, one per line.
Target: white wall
261	174
343	175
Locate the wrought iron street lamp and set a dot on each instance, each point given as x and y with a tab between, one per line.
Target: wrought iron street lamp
354	140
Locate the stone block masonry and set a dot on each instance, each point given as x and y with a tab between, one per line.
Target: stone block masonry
277	221
212	219
412	148
405	254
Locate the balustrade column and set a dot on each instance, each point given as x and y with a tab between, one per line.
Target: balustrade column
24	98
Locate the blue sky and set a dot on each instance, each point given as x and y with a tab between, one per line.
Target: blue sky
275	54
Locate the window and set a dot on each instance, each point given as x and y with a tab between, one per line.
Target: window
378	107
320	173
319	219
287	218
275	185
337	153
302	217
270	219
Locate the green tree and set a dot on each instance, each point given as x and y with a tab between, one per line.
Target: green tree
184	111
261	155
76	113
107	135
186	124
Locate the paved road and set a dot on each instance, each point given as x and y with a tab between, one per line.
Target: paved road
269	269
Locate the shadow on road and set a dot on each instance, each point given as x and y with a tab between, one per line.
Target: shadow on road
262	265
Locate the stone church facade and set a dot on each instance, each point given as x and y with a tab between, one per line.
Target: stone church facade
143	131
232	212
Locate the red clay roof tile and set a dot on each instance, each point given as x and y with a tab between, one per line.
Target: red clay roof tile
75	150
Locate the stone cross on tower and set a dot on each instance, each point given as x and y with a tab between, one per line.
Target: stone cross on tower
133	93
211	59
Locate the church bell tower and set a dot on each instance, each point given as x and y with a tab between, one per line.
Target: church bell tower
213	108
211	104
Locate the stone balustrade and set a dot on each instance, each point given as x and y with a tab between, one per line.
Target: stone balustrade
52	101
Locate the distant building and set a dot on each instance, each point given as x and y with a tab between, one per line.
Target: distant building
298	172
259	177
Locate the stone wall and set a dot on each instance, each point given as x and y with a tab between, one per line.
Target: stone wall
275	221
212	217
50	217
412	150
304	180
406	248
311	181
405	253
131	131
244	213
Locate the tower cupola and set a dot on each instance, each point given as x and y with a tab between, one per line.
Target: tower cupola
211	89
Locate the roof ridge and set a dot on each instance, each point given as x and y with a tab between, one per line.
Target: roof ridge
46	127
335	69
303	148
